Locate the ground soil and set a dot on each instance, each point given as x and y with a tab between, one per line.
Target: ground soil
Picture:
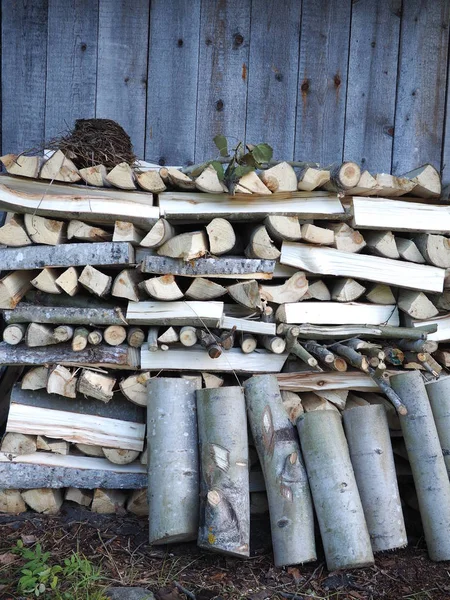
119	544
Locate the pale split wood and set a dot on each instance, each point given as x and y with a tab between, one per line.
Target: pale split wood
260	245
346	290
14	234
44	500
212	381
120	457
283	228
292	290
380	294
434	248
125	284
18	443
90	450
312	178
35	379
137	503
221	236
247	325
188	246
46	281
95	281
317	235
56	446
391	186
408	250
332	313
365	187
150	181
122	176
11	502
62	381
176	178
208	181
280	178
95	175
96	385
312	402
246	293
426	180
382	243
170	336
161	232
162	288
39	335
68	281
175	313
317	290
81	497
346	239
24	166
134	388
293	405
205	289
45	231
108	502
59	168
188	336
84	232
127	232
416	304
252	183
304	382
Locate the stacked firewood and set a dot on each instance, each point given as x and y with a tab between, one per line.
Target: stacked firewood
300	274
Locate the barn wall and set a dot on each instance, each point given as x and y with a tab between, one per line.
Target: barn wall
321	80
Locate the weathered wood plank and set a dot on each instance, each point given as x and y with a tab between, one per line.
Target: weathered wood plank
324	48
369	124
171	100
122	66
67	255
200	314
421	85
310	382
222	81
248	325
71	64
63	315
273	75
24	62
49	470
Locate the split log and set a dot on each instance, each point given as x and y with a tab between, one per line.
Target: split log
68	281
368	437
134	388
127	232
135	337
61	381
204	289
125	285
365	187
59	168
46	281
108	502
317	235
427	463
27	312
24	166
161	232
63	333
188	246
346	239
150	181
35	379
426	180
435	249
18	444
80	339
44	500
212	381
13	233
391	186
382	243
416	304
14	286
248	343
346	290
208	181
274	344
290	506
119	456
246	293
96	385
56	446
95	281
311	179
45	231
95	337
224	481
317	290
114	335
292	405
312	402
122	176
325	355
177	179
221	236
163	288
336	397
283	228
137	503
39	335
172	484
280	178
380	294
291	291
443	357
248	325
343	177
260	245
188	336
328	261
337	502
442	301
202	314
95	175
81	497
408	250
79	230
336	313
11	502
14	334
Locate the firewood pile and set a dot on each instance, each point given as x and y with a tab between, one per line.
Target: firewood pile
311	300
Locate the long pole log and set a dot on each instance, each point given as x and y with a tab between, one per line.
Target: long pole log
439	395
427	463
173	477
224	483
367	431
337	502
290	506
64	315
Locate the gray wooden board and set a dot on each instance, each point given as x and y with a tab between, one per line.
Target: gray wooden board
24	60
322	86
161	265
71	64
29	476
273	75
67	255
172	81
222	79
122	66
419	117
63	315
369	125
117	408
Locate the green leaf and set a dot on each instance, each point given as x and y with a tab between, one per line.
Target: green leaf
248	159
19	543
262	153
222	144
242	170
54	583
218	168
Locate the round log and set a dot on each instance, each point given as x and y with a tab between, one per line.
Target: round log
337	502
173	478
14	334
367	431
224	482
427	463
114	335
290	506
439	395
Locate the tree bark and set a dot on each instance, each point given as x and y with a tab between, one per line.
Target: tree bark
439	395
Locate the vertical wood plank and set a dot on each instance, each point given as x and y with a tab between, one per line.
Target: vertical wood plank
24	55
223	64
71	64
324	48
369	125
172	81
122	66
273	75
421	86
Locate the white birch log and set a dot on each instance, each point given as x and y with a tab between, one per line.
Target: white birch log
367	432
224	482
427	463
289	497
337	502
173	469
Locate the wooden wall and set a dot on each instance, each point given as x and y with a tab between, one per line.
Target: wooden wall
319	80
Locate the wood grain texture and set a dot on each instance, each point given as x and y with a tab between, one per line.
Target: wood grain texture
171	99
322	82
71	64
273	75
222	82
375	31
122	66
421	85
24	59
